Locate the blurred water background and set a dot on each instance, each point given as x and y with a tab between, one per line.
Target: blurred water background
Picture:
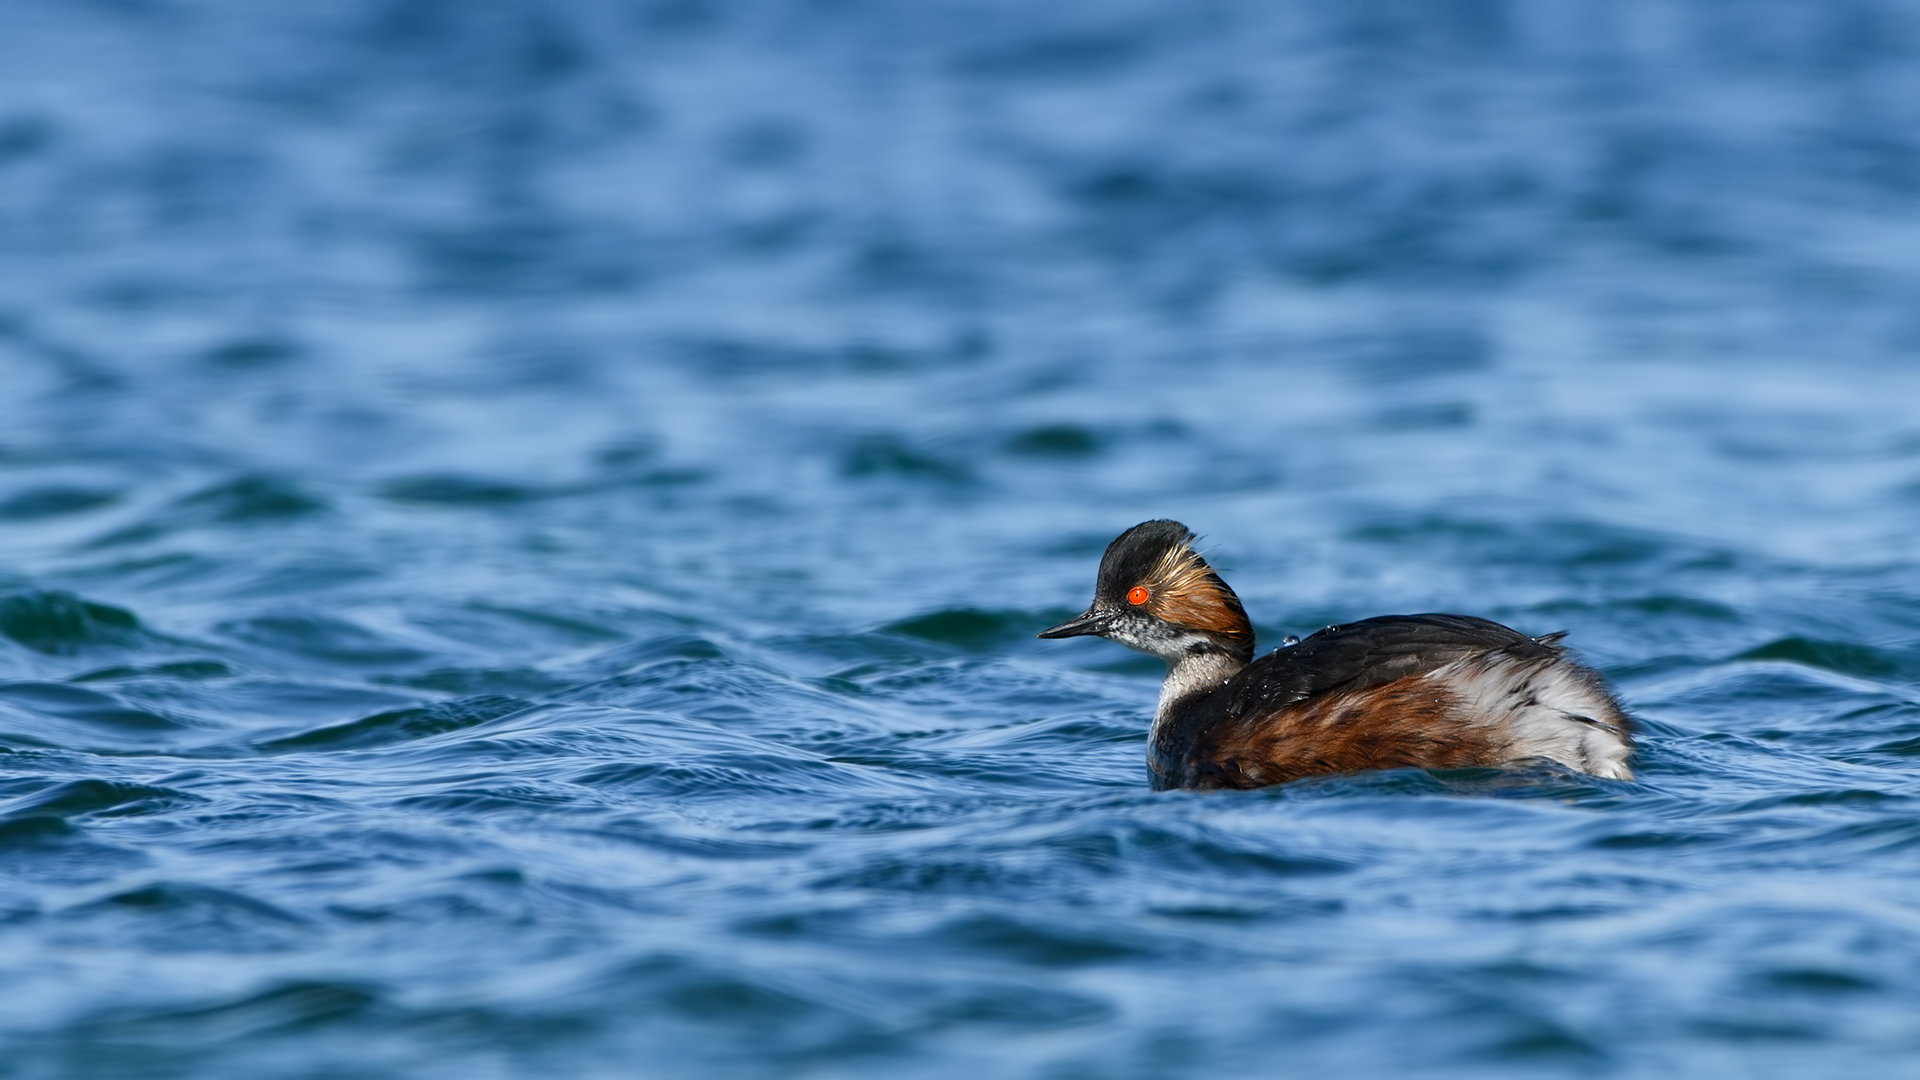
522	526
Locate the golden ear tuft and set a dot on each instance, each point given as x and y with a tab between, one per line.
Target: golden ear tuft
1190	595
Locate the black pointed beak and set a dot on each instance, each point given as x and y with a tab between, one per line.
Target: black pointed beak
1091	621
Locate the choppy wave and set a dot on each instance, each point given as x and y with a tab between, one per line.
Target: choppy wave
521	529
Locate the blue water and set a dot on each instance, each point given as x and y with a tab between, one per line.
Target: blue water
522	527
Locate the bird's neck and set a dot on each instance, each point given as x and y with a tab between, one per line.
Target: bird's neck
1190	680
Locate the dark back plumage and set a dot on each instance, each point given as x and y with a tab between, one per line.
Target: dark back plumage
1372	652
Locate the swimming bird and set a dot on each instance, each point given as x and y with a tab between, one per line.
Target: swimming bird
1432	691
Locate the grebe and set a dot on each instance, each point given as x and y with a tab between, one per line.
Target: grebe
1432	691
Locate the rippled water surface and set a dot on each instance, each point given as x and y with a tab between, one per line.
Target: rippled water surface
522	527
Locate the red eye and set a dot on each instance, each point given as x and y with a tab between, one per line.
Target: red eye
1137	594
